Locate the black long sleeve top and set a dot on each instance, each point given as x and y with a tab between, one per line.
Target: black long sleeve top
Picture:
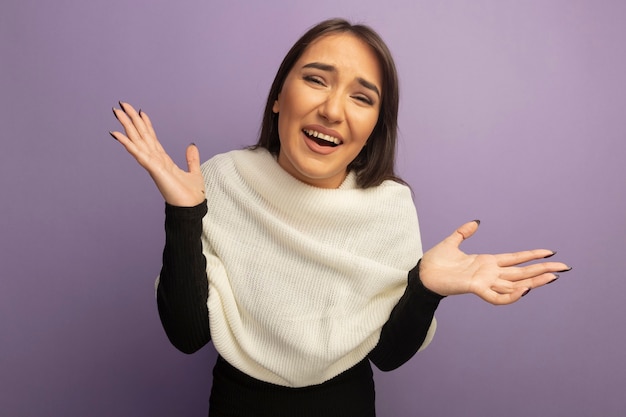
183	290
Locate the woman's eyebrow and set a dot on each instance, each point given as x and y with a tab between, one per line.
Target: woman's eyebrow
368	85
330	68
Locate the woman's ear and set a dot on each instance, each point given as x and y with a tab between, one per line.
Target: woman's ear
276	106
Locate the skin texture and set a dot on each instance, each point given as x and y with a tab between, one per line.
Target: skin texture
333	88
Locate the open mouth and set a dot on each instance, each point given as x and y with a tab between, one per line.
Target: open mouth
321	138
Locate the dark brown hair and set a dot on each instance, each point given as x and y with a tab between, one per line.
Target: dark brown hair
375	163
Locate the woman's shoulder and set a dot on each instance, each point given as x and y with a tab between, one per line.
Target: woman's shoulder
393	187
237	154
237	163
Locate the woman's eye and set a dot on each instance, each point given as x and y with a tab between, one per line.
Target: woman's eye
313	79
363	99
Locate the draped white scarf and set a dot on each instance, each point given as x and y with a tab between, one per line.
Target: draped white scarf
301	279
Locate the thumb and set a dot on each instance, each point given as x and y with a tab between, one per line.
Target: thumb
193	158
464	232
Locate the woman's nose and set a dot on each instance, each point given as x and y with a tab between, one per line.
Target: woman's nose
332	109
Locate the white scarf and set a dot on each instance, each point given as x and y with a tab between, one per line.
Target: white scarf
301	279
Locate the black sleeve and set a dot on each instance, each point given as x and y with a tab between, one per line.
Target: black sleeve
183	287
405	331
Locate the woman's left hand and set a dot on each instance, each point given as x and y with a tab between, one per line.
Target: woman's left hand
497	279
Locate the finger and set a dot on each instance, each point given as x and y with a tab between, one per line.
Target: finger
150	129
131	147
133	115
504	287
128	109
193	158
516	258
496	298
127	143
127	124
538	281
141	131
531	271
463	232
148	122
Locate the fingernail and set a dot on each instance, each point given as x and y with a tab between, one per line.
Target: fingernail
556	276
139	112
112	135
121	106
565	270
477	222
526	292
115	114
549	256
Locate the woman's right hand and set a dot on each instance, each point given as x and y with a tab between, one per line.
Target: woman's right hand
178	187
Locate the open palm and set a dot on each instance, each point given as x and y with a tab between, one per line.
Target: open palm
178	187
498	279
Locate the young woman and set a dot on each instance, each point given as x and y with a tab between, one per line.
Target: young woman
300	257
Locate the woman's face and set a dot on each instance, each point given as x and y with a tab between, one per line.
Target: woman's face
327	109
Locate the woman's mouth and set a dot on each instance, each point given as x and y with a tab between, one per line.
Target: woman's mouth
321	138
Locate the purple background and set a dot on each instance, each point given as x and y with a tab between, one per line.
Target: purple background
512	112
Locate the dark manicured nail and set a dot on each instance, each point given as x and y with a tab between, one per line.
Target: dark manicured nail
112	135
526	292
565	270
550	256
139	112
477	222
122	106
115	114
556	276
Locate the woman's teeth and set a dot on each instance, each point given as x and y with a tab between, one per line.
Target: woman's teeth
318	135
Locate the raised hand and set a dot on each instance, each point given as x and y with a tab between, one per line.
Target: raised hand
178	187
498	279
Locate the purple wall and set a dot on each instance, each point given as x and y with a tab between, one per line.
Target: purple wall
512	112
